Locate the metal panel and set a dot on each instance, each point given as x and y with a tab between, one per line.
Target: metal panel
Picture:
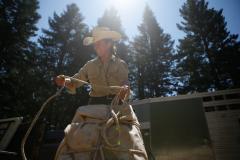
177	129
142	111
224	128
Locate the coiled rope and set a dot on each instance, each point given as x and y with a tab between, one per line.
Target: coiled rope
48	100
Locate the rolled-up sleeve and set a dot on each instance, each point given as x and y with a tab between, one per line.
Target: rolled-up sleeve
81	75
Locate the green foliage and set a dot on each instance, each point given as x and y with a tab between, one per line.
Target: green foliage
152	54
17	25
62	52
198	58
228	62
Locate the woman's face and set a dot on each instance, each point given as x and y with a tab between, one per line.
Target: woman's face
102	47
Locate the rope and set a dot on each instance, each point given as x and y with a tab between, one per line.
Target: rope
114	116
117	120
35	120
94	85
48	100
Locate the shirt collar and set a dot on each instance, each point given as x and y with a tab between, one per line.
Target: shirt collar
112	59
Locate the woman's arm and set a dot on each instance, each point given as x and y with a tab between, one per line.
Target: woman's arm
72	84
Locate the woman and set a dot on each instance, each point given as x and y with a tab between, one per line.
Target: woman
105	70
103	129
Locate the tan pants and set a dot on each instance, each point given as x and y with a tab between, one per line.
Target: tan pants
98	132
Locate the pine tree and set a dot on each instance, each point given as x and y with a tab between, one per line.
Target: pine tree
17	71
139	51
153	51
228	62
198	51
62	52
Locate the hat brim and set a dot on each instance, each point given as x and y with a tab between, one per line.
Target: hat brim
115	36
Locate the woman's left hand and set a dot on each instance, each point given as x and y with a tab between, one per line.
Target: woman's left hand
124	92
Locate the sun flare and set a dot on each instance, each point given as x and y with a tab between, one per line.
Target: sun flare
121	4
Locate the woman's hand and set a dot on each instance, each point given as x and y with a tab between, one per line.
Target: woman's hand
124	92
60	80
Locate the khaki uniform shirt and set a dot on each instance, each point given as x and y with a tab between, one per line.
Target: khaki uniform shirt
112	73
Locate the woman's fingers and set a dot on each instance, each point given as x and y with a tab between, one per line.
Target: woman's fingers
60	80
123	92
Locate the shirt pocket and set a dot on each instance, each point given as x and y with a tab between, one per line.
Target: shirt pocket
113	76
113	73
93	77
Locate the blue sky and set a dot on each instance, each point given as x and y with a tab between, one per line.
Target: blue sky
131	12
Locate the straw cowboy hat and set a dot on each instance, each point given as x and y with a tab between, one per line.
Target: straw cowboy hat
100	33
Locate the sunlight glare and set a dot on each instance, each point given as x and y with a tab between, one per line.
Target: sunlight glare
122	5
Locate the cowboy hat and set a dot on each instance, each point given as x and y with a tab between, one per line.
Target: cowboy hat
100	33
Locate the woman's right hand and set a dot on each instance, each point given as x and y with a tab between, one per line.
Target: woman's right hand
60	80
